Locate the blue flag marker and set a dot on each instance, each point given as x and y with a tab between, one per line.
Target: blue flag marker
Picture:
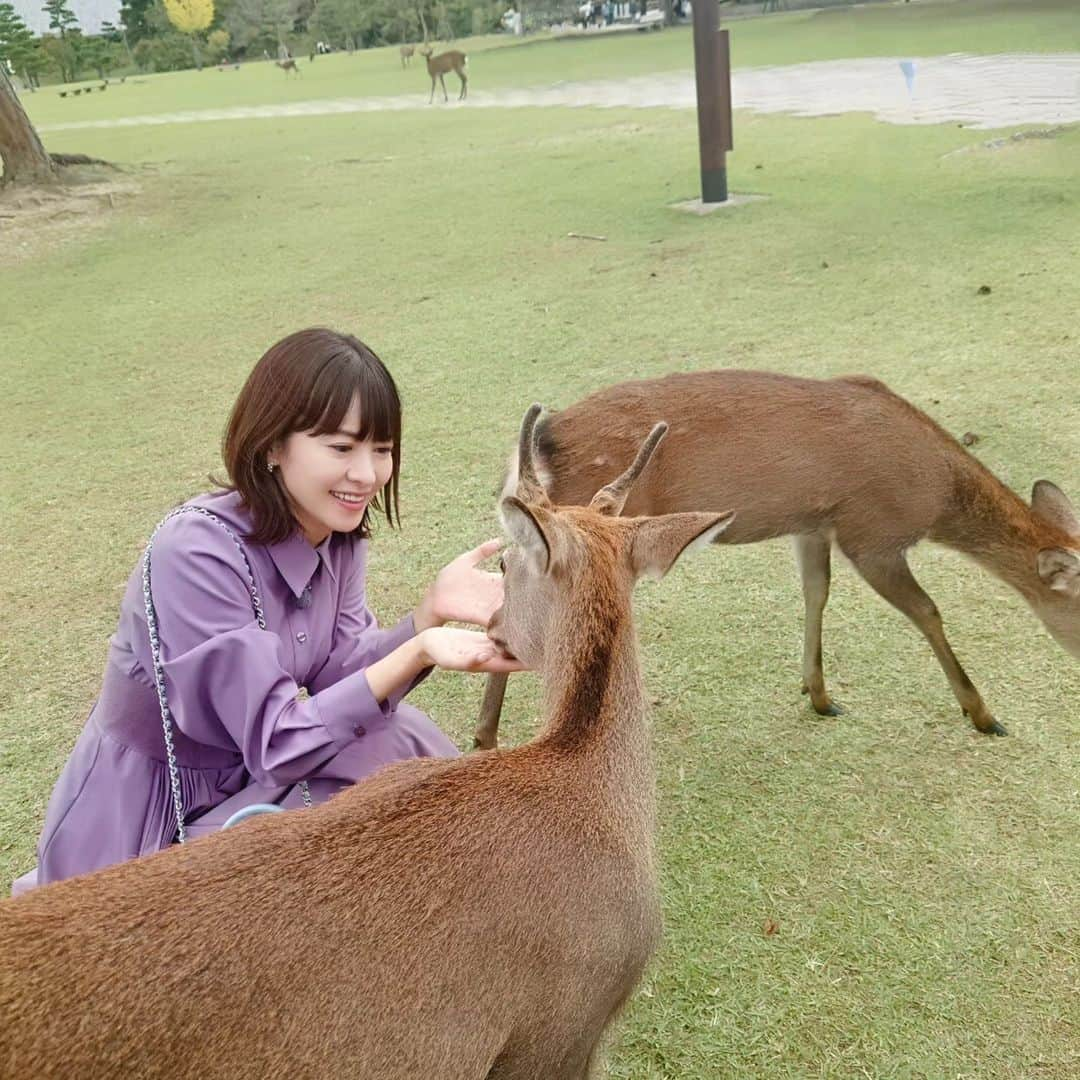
908	68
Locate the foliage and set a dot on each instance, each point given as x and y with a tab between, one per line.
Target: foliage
217	44
343	22
16	40
63	53
101	54
261	25
170	51
61	17
133	17
190	16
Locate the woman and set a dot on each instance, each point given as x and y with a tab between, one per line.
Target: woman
312	447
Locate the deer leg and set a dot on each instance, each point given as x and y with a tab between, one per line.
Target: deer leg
464	85
486	736
891	578
813	555
442	83
432	97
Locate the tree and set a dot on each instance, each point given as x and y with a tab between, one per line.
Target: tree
117	34
190	17
133	19
100	54
17	45
62	19
24	158
262	23
342	20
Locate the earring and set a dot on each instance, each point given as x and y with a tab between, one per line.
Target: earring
270	466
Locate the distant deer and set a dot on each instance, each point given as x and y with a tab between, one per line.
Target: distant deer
438	66
842	461
478	917
287	66
407	54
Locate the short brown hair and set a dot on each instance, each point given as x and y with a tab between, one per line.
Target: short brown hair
306	382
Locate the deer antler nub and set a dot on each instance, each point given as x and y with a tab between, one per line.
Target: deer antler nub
611	498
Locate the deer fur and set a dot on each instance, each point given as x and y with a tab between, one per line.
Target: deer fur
438	66
481	918
407	54
287	66
841	461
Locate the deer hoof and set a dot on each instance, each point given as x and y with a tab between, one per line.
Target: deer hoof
823	705
988	726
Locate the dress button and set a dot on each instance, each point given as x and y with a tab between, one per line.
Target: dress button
301	637
360	730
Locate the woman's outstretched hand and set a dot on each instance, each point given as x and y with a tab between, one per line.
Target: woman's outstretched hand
463	593
463	650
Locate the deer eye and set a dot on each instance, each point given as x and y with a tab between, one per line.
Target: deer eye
502	564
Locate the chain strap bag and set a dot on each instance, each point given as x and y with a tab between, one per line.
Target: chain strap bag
159	672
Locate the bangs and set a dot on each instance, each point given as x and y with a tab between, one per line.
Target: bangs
351	375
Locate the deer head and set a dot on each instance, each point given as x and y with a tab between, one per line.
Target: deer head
560	551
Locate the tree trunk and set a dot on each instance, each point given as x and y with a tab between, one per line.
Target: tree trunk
25	160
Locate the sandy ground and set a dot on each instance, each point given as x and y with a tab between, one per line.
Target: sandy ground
977	91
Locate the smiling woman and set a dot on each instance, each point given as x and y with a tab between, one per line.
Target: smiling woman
247	667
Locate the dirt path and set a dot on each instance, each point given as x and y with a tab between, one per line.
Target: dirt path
978	91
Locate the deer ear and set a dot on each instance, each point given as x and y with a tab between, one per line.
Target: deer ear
525	526
659	541
1052	505
1060	570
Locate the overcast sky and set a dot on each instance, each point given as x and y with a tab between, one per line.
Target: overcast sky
90	13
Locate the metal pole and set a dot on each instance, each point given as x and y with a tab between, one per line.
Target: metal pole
712	69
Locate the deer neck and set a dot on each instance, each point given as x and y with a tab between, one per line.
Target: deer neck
594	695
992	525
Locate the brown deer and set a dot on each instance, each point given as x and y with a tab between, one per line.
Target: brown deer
438	66
287	66
480	917
842	461
407	54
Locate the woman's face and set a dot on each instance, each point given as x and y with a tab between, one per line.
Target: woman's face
330	479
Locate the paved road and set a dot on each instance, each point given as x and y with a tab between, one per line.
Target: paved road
978	91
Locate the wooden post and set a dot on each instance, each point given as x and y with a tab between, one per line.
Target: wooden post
712	69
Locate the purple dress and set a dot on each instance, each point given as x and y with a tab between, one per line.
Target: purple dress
244	731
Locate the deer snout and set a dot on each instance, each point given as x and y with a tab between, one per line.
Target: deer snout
496	635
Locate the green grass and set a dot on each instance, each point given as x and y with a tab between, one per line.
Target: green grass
922	879
972	26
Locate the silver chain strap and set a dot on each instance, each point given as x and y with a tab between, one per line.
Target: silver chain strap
155	652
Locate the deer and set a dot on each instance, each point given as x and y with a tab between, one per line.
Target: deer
438	66
842	462
479	917
407	54
287	66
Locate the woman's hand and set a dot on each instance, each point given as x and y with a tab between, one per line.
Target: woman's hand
463	650
461	592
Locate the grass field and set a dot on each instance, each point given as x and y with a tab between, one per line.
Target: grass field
926	29
885	895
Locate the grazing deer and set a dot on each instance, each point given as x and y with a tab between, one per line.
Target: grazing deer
842	461
407	54
287	66
438	66
473	918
